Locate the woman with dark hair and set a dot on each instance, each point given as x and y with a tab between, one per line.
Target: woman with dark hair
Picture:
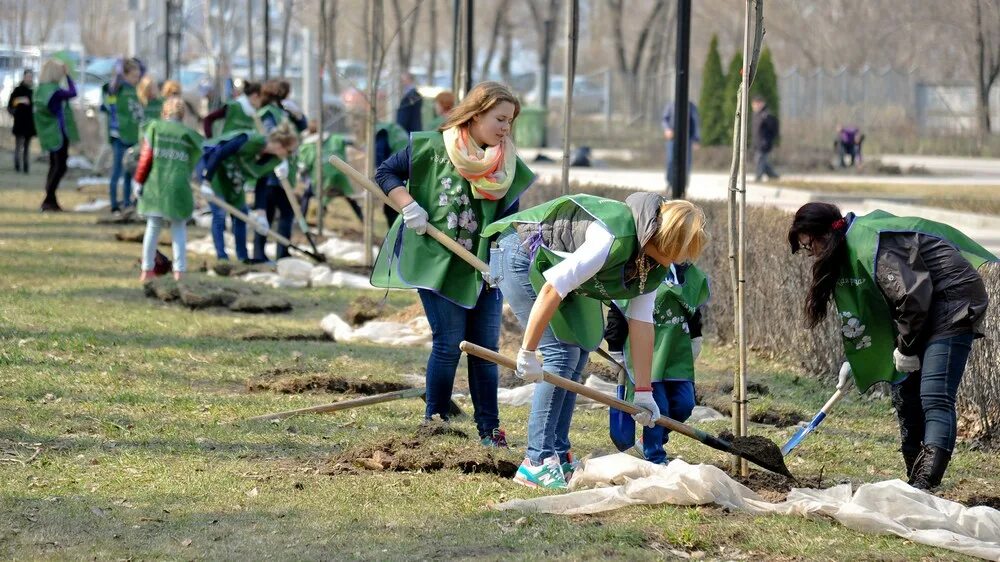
910	303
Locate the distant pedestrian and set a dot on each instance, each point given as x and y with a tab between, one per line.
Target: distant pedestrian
125	114
410	106
848	143
694	138
55	124
443	103
19	106
765	135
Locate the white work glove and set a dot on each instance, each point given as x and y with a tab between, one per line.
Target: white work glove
905	363
281	170
644	399
206	189
696	347
618	356
846	375
262	224
415	218
528	367
488	279
291	106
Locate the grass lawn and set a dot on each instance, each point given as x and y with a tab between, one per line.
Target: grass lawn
972	198
121	434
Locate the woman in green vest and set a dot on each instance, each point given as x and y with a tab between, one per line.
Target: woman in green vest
335	183
236	114
677	325
910	303
55	124
125	113
169	153
233	161
149	96
459	180
555	264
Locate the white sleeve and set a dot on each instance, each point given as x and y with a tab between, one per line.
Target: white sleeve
582	264
641	307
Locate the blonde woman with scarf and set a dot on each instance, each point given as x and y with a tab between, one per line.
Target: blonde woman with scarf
459	179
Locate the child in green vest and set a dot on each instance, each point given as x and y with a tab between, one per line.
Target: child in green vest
458	180
149	96
911	302
125	113
168	156
677	344
237	114
335	183
55	124
555	264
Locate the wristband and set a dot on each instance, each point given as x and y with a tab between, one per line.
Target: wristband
644	389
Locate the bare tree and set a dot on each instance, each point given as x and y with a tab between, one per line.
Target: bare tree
287	8
100	30
986	19
499	21
507	51
544	17
332	10
629	65
405	33
433	39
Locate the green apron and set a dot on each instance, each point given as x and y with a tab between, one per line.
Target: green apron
237	119
167	191
676	303
153	110
278	115
579	320
334	181
129	111
409	260
46	122
867	328
241	168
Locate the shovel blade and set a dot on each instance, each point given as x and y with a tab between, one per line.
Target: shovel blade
622	426
801	434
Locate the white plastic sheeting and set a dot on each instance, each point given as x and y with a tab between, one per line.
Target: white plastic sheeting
414	332
889	507
93	206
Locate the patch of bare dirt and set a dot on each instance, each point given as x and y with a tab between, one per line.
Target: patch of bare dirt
203	293
136	236
777	417
296	381
318	336
363	309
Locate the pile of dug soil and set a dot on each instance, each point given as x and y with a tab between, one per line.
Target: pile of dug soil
363	309
203	293
760	448
297	381
136	236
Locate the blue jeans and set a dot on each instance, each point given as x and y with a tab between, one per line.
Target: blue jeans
118	149
675	400
925	400
271	199
178	237
551	406
450	324
219	228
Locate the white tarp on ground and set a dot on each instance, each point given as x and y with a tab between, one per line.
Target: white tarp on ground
93	207
414	332
889	507
92	180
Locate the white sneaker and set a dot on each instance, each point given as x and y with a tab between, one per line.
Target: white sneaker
547	475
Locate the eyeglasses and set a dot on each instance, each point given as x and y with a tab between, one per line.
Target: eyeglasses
807	246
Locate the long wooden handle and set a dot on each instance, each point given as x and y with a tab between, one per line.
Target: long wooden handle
293	201
444	239
344	404
219	201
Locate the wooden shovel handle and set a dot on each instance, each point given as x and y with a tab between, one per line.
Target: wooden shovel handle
344	404
433	232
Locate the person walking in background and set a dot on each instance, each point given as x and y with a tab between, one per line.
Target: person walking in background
19	106
443	102
170	151
694	138
55	124
125	112
408	114
765	135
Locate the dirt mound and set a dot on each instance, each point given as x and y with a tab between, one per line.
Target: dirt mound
404	315
436	427
260	304
319	336
364	309
727	388
760	448
425	454
777	417
136	236
981	499
297	381
202	293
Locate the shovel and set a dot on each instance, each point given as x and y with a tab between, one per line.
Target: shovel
818	419
215	199
777	465
293	201
621	425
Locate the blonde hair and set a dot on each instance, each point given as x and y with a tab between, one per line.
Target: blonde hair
170	88
482	98
682	230
146	89
52	71
173	108
284	135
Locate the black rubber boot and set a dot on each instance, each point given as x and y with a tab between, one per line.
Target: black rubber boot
929	467
910	458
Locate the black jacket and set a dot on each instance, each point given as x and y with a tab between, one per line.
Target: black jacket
765	130
617	326
408	115
24	123
933	292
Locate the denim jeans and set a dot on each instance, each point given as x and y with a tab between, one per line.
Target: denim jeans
450	324
178	237
551	406
925	400
675	400
672	170
118	149
219	229
764	166
272	199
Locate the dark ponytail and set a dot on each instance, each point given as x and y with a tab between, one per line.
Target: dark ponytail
824	224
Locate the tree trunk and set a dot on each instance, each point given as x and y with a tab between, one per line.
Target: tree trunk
286	25
498	22
432	63
405	34
331	43
506	53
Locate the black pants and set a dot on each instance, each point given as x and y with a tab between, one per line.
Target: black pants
21	145
390	215
271	199
309	194
57	169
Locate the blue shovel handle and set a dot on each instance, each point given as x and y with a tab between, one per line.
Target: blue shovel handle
818	419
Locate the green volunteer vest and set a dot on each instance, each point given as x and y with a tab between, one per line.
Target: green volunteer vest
398	138
279	116
241	168
167	191
867	328
334	181
435	123
579	320
408	260
236	119
129	110
152	110
46	122
675	305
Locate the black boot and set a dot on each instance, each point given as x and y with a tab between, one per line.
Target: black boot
929	467
910	458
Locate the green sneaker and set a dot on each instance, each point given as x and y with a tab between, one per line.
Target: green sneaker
547	475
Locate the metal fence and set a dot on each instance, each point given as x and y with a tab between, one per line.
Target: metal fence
869	97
